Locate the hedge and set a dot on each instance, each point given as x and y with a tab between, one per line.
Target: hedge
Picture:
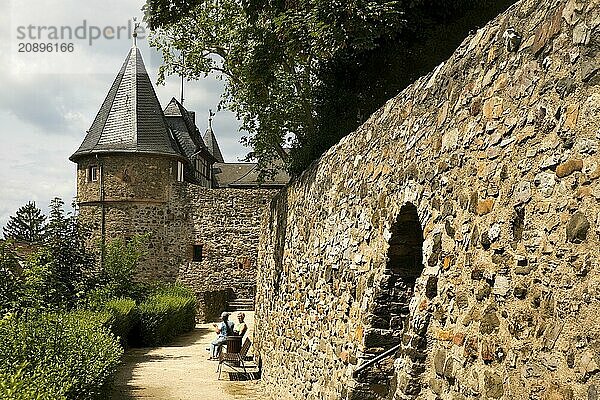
168	312
56	356
124	317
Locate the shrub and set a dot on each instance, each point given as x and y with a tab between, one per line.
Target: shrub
11	283
56	356
173	289
97	298
124	318
169	311
19	386
120	263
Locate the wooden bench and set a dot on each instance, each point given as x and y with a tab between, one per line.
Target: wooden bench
235	360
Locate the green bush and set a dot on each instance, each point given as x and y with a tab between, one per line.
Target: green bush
173	289
56	356
120	264
124	318
169	311
97	298
19	386
11	283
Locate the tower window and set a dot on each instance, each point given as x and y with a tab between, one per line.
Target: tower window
92	173
197	253
179	171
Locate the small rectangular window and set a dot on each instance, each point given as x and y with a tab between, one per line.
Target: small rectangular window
179	171
92	173
197	253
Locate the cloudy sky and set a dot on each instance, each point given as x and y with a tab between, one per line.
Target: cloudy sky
49	100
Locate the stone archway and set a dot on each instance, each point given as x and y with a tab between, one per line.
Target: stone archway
404	265
389	316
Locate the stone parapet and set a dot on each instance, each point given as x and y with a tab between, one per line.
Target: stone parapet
496	154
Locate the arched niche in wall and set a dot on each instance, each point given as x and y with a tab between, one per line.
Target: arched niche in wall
389	315
404	265
405	254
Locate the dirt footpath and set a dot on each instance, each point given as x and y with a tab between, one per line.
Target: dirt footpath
181	371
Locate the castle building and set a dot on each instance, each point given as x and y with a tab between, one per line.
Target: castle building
145	170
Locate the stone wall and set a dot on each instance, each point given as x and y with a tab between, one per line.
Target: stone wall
489	168
127	177
226	223
124	220
142	196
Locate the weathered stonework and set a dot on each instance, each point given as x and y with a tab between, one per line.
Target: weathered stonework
140	192
495	154
127	177
226	222
142	196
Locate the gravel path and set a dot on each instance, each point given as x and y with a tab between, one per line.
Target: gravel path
180	371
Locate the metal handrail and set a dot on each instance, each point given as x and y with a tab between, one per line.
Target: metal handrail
375	360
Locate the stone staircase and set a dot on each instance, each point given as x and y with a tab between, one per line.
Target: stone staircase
240	304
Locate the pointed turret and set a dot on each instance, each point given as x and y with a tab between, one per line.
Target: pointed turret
185	131
187	135
213	146
130	119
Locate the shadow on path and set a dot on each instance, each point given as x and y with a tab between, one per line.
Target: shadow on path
180	371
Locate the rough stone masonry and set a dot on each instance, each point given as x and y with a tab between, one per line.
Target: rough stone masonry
460	223
141	196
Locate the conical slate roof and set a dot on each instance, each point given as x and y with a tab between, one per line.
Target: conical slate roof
184	129
213	147
130	118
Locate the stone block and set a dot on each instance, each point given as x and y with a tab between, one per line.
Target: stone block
577	228
485	206
568	167
494	386
489	321
493	108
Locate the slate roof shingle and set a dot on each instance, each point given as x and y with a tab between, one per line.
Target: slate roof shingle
213	146
130	118
245	175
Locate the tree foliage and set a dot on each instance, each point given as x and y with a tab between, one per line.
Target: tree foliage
66	253
11	282
115	278
270	53
52	273
27	225
304	73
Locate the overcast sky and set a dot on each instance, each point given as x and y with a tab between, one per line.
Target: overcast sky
49	100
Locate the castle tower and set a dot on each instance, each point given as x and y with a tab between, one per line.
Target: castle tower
130	169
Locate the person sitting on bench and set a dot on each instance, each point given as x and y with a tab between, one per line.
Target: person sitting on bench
240	328
224	329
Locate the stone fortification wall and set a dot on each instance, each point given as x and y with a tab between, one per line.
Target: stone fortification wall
127	177
461	221
226	223
142	196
